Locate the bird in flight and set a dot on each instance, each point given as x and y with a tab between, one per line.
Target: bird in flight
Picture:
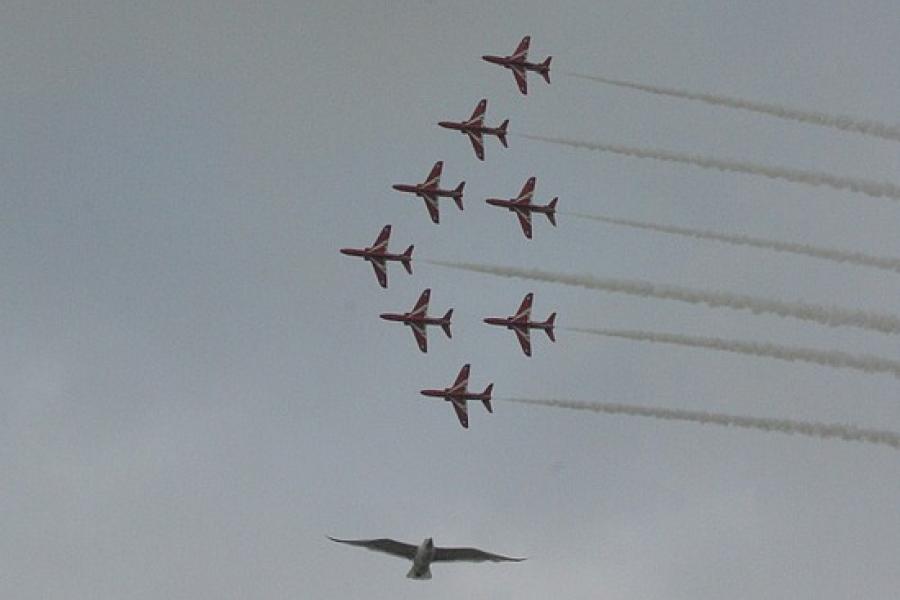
426	553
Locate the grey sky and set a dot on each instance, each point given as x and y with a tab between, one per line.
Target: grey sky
195	387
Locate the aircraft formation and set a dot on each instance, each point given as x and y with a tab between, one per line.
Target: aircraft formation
418	319
430	191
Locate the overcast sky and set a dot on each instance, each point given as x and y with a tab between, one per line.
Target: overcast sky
195	387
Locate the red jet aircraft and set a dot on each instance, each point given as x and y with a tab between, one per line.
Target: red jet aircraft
523	207
475	129
458	394
518	63
418	320
430	190
521	324
378	255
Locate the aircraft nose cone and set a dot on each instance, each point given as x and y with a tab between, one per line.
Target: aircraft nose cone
344	251
444	123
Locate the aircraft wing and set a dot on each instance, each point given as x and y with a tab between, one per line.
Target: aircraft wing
524	312
434	178
522	49
381	242
477	117
525	222
477	144
380	267
524	338
462	380
431	203
460	407
521	78
527	191
421	335
383	545
421	306
469	554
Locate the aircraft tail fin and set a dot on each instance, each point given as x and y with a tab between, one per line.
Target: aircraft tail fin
407	260
502	134
446	326
548	327
487	397
551	214
458	194
545	71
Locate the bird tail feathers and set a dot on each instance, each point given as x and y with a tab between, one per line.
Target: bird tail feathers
413	574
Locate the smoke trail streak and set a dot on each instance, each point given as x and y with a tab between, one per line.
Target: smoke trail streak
825	315
829	358
862	186
845	123
841	256
847	433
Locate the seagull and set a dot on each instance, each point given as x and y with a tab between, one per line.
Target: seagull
426	553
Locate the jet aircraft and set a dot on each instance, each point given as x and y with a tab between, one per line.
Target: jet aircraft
418	320
458	394
521	324
378	255
475	128
430	190
426	553
517	62
523	207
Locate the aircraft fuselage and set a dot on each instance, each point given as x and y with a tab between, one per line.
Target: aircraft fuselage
509	63
369	255
421	190
514	206
466	128
514	324
409	319
450	395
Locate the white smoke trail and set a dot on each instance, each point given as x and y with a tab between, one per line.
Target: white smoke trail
847	433
862	186
825	315
845	123
829	358
841	256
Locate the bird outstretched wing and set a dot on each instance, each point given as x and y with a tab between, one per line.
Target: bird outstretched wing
385	545
470	554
